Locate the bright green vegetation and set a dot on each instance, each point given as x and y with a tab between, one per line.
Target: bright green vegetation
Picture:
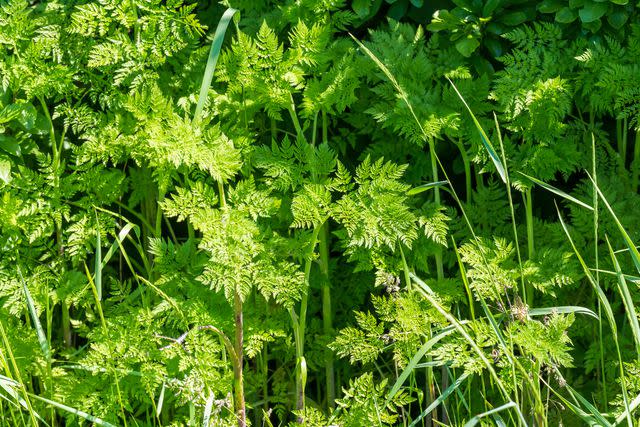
319	213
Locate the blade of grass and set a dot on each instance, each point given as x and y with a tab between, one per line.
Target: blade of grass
207	410
74	411
559	192
635	255
214	53
607	309
42	337
626	299
566	309
415	359
443	396
424	187
483	136
475	420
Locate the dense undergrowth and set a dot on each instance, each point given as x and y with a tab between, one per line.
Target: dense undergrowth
371	213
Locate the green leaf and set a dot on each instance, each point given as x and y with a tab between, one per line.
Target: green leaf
5	169
467	46
550	6
566	15
361	7
10	145
514	18
214	53
489	7
618	18
592	11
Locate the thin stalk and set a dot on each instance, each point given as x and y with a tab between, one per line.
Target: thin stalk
635	167
300	323
436	192
327	313
238	384
597	273
294	119
467	167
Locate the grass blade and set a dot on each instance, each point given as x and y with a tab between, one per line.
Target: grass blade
626	299
214	53
42	337
633	250
607	309
562	310
415	359
160	400
483	136
557	191
445	394
207	410
475	420
74	411
424	187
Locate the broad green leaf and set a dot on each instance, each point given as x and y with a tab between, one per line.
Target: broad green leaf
10	145
467	45
566	15
592	11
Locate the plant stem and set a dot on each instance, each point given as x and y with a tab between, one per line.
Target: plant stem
66	324
327	315
299	324
327	312
238	384
635	167
467	167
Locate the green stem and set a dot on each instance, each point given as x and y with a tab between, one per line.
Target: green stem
529	218
467	167
294	119
66	324
436	192
238	384
300	324
327	315
635	168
